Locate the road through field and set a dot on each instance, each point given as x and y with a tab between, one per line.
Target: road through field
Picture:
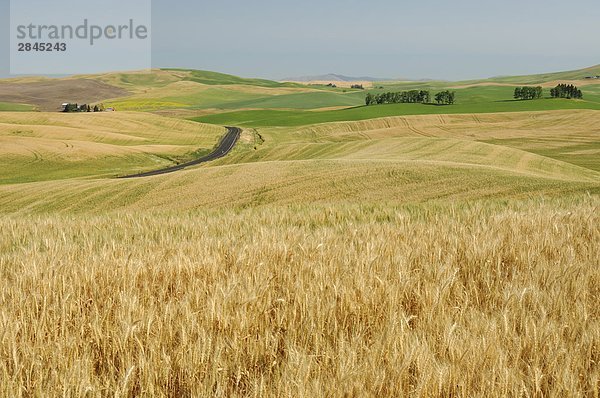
225	146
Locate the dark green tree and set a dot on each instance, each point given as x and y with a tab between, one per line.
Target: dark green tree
402	97
528	93
518	93
71	108
445	98
566	91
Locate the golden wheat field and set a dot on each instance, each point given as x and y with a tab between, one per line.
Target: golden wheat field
420	256
480	299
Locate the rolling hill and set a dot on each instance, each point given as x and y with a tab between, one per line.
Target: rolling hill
392	250
53	146
578	74
414	159
49	94
214	96
332	77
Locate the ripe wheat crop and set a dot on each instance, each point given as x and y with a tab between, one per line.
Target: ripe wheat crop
298	301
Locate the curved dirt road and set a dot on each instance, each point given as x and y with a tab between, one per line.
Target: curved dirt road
225	146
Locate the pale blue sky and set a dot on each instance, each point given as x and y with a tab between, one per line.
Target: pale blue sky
383	38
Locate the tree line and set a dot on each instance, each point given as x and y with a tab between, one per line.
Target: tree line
69	108
409	97
528	93
402	97
448	97
566	91
561	91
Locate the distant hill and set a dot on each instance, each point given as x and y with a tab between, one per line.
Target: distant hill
47	94
332	77
195	89
216	78
578	74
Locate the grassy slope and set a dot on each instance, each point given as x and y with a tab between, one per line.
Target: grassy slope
570	136
9	107
421	149
51	146
186	89
189	95
163	77
214	78
308	100
546	77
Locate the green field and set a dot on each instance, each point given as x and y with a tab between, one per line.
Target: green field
476	99
271	118
9	107
311	100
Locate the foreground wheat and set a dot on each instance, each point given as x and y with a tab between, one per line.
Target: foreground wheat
299	302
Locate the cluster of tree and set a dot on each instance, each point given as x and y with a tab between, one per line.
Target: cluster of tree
332	85
72	108
357	86
566	91
528	93
402	97
445	97
83	108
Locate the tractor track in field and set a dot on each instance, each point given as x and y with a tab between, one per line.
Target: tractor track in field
225	146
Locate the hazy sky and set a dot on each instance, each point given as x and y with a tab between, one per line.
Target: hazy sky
456	39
